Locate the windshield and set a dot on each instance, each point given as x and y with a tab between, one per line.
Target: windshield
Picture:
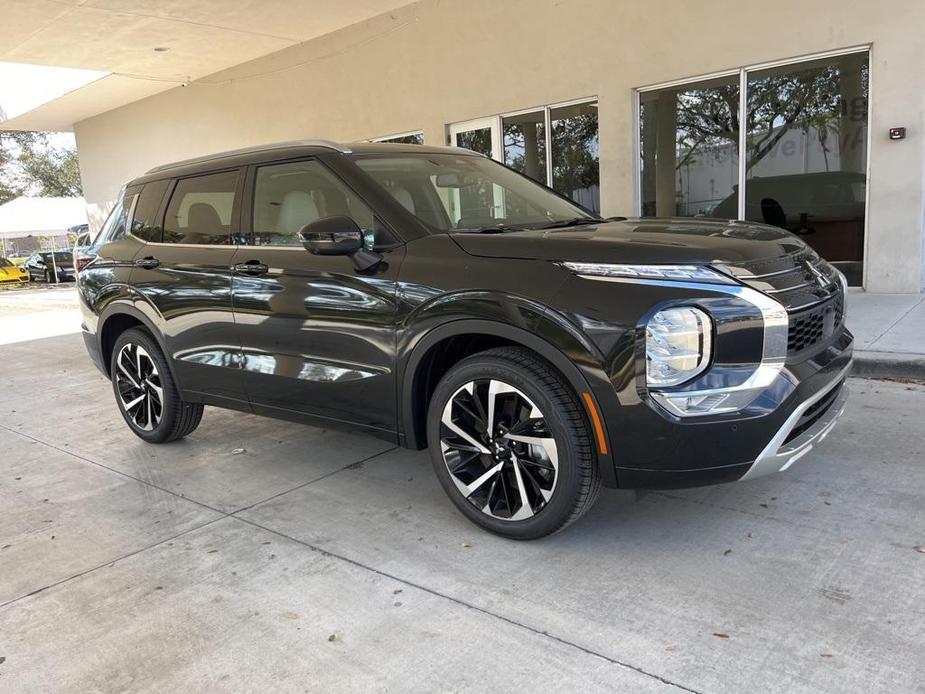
5	263
460	192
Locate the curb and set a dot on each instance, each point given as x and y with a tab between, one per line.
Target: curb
889	365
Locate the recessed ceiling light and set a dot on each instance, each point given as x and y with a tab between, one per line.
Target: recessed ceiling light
161	49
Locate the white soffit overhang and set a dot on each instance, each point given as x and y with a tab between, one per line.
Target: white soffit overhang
118	38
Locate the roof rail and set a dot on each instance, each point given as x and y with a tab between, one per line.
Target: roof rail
328	144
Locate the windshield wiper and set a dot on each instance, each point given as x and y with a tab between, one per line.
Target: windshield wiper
499	228
573	222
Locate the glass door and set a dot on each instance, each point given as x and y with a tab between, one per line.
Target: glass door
483	136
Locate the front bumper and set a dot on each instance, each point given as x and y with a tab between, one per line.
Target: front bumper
805	428
659	452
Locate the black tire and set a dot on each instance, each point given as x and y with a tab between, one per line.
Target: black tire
177	417
577	480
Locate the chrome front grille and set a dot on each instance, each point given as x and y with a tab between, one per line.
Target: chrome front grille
810	290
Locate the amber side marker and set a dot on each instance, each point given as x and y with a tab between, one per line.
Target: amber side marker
596	423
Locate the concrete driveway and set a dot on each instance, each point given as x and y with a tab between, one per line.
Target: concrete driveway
263	556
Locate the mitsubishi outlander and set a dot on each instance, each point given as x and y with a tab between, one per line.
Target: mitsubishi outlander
439	299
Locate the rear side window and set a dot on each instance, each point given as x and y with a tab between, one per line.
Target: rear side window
114	227
145	224
200	209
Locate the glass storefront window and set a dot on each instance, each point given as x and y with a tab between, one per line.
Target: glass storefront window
406	139
689	147
575	153
556	145
807	155
478	140
804	157
525	144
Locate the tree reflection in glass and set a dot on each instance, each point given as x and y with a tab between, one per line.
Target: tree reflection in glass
575	154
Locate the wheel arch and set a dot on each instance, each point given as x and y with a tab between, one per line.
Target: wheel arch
441	347
115	319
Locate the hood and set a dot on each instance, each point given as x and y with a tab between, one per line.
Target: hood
669	241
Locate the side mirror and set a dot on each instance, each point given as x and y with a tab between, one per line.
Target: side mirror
338	235
332	236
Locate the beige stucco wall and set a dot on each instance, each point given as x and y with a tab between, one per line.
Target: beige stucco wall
440	61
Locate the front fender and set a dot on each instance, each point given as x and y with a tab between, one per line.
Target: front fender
514	319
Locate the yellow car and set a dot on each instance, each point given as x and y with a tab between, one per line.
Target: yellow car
11	274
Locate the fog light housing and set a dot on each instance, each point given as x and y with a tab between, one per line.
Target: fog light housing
679	344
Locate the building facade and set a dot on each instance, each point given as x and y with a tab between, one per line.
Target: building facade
629	107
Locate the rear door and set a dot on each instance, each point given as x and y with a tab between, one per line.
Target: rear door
183	274
317	335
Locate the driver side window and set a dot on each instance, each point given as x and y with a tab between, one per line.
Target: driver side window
289	196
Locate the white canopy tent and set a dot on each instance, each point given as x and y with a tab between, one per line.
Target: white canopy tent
28	216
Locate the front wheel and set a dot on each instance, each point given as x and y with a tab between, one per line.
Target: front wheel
510	444
145	391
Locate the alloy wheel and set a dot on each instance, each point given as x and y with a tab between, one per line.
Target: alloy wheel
139	385
499	450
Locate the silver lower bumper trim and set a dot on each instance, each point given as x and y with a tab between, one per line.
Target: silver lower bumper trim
777	455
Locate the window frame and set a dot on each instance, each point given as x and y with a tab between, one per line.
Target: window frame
246	220
743	72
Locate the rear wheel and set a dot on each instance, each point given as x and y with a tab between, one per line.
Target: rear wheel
510	444
145	391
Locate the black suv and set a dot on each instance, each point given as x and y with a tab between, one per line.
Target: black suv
438	299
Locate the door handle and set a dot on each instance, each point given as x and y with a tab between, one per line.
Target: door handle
148	262
251	267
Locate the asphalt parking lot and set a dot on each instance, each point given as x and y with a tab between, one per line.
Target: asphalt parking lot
263	556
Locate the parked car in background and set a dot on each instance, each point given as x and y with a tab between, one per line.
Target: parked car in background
18	258
12	274
40	266
439	299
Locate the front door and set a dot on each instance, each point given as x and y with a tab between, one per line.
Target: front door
317	336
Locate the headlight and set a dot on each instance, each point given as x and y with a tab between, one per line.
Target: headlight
674	273
679	343
843	281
